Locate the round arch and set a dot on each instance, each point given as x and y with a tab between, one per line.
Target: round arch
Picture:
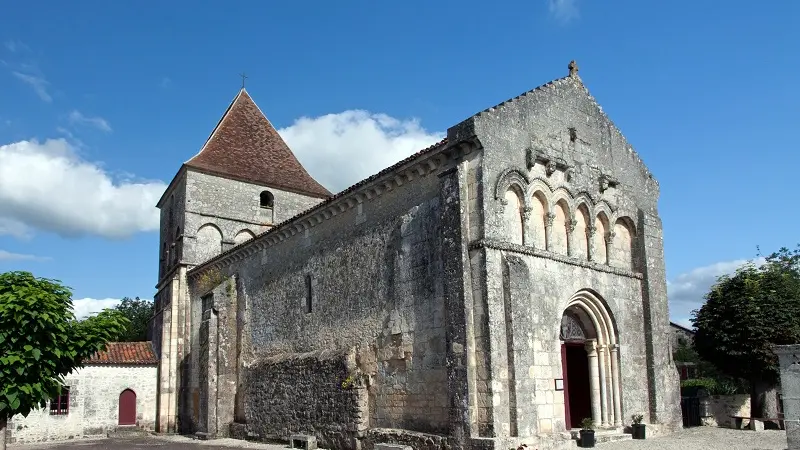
127	407
590	361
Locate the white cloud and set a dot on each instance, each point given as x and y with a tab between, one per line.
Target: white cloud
76	118
84	307
46	186
8	256
38	83
686	291
341	149
564	10
15	46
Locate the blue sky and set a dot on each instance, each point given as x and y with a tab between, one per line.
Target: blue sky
100	103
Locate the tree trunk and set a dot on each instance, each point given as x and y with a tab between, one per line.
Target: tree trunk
763	400
3	421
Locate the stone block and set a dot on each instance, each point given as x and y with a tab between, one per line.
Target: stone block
392	447
303	441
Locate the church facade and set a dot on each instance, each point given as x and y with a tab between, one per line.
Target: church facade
495	289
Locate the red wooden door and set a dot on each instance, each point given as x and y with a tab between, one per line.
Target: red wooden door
127	407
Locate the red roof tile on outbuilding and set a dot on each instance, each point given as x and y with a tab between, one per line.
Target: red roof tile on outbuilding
140	353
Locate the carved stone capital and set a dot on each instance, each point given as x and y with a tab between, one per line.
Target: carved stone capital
571	225
610	237
526	212
549	218
591	230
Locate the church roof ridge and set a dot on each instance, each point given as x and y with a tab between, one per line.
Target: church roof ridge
245	145
322	205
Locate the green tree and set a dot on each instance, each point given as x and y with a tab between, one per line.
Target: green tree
744	315
41	342
139	312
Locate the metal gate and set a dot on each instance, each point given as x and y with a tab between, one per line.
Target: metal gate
690	410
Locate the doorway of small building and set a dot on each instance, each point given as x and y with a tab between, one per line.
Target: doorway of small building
127	407
577	399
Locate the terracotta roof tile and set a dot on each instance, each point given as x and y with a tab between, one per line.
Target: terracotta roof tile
125	353
246	146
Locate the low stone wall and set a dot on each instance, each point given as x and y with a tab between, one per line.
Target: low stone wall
417	441
715	410
304	394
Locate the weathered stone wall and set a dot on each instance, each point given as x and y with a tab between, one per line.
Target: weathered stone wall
789	363
93	405
221	213
328	399
561	192
716	410
376	285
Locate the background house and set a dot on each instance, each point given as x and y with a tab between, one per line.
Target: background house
682	337
114	388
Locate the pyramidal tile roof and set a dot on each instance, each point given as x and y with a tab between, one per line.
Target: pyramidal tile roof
245	146
125	353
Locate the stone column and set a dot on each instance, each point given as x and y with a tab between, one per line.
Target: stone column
601	353
789	360
570	238
594	380
590	231
610	253
527	235
548	230
615	391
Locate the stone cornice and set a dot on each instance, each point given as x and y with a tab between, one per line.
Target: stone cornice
406	172
526	250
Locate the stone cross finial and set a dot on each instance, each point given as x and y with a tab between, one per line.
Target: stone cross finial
573	68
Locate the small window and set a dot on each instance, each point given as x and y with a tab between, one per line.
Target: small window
267	200
309	294
59	406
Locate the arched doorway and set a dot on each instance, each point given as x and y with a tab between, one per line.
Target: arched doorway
127	407
590	363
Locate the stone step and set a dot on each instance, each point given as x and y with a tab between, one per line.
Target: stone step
129	431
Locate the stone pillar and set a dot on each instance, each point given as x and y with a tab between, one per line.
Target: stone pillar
527	235
548	230
570	238
610	253
789	360
615	390
590	231
601	353
594	380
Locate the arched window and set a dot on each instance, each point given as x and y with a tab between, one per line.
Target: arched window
267	200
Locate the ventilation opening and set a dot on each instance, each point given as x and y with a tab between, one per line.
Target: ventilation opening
267	200
573	134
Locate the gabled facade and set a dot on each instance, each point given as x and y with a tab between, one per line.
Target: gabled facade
492	290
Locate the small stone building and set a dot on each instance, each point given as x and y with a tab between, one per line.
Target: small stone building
115	388
491	290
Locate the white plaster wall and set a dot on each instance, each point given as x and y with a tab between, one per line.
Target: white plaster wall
93	405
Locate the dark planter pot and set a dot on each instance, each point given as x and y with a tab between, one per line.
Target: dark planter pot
638	430
587	438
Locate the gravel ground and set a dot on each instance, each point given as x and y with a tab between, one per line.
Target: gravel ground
700	438
707	438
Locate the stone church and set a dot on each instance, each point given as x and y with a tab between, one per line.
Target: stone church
492	290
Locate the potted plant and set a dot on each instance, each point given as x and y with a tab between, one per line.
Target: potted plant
637	426
587	432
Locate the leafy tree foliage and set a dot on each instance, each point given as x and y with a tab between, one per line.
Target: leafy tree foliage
138	312
41	342
745	315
